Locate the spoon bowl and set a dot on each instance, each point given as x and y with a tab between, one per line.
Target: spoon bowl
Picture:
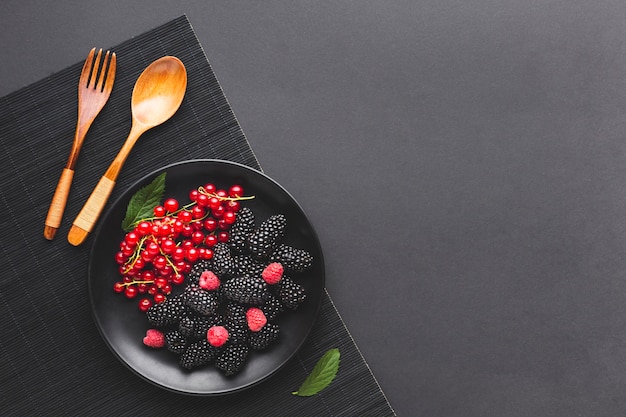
157	95
159	91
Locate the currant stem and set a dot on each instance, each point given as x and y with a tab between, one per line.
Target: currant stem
133	282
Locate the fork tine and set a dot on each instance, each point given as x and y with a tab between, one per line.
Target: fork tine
103	70
84	75
111	72
94	70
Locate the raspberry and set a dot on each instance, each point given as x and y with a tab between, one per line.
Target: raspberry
197	269
241	229
263	338
154	338
209	281
262	240
256	319
217	336
231	359
292	259
246	290
272	273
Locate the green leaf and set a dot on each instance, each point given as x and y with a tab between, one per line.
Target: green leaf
322	374
143	202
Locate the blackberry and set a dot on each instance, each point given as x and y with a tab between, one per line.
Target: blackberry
272	307
202	323
246	290
264	238
232	359
198	268
246	265
263	338
167	313
290	293
222	260
235	313
200	301
175	342
292	259
241	229
186	326
236	324
197	354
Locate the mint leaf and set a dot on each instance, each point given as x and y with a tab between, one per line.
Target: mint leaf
322	374
143	202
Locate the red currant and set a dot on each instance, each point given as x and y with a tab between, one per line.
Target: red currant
120	258
210	224
178	279
233	205
210	240
185	216
159	298
235	191
221	194
202	200
168	246
214	203
131	239
145	304
171	205
219	211
222	237
193	195
210	188
229	217
143	228
159	211
192	254
167	289
153	289
197	237
130	292
118	287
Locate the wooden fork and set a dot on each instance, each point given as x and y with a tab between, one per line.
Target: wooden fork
94	89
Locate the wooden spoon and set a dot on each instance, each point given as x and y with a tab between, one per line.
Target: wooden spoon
157	95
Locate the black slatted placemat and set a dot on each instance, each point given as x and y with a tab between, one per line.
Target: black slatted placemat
52	359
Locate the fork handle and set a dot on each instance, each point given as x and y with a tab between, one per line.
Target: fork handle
90	212
57	206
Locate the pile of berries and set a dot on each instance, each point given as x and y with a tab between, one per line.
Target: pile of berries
155	256
231	302
237	276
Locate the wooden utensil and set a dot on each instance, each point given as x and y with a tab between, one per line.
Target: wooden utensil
94	89
157	95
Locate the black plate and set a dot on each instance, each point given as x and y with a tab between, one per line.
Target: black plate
123	326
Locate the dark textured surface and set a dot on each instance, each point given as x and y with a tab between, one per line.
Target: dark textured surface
463	161
52	359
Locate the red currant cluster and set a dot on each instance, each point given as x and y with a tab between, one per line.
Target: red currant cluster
159	250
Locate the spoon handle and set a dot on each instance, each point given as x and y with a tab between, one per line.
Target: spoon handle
89	214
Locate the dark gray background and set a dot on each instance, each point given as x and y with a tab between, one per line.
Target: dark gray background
464	163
